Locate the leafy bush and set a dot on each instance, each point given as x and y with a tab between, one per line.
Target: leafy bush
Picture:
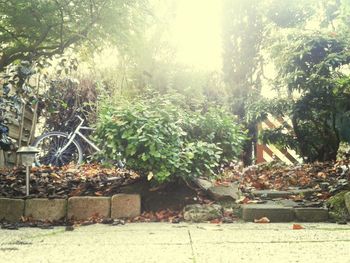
218	127
337	207
320	112
64	99
162	139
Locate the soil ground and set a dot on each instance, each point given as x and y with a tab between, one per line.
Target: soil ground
164	242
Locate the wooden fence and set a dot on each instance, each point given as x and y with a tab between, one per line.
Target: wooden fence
18	128
269	152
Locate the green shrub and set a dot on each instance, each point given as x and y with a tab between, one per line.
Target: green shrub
162	139
337	207
219	127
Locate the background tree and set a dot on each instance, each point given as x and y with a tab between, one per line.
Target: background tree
243	29
311	56
33	29
34	34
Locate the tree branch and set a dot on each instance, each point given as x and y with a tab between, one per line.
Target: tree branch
62	21
41	38
13	35
35	50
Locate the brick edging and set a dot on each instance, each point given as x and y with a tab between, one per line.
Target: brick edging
77	207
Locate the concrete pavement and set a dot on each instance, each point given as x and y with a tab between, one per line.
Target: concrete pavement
163	242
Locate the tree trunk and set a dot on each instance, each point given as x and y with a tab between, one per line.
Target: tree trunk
249	146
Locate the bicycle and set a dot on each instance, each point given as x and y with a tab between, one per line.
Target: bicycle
59	148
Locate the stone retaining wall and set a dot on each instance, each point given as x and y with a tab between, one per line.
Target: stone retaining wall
76	208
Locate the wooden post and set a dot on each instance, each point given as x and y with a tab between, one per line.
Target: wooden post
32	130
2	159
35	115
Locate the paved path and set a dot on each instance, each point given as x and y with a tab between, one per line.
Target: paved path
161	242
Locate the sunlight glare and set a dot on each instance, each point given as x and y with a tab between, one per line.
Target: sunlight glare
197	33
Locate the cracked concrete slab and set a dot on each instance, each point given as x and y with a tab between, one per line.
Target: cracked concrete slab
163	242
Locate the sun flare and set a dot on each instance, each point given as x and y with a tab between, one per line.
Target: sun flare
197	33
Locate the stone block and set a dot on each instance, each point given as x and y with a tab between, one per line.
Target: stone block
311	214
84	207
202	183
275	213
202	213
270	193
11	209
221	192
46	209
285	203
125	205
282	194
305	192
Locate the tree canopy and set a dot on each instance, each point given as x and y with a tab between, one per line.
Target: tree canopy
309	48
41	28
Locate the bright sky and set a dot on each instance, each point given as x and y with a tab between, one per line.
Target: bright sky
197	33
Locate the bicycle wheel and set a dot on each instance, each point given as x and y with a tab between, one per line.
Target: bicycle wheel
50	144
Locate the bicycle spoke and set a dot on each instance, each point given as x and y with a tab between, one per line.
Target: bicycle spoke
63	142
68	155
50	150
64	159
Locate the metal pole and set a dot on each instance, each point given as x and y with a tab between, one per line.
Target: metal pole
20	138
27	180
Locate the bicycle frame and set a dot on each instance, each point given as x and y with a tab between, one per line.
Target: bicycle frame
71	136
76	132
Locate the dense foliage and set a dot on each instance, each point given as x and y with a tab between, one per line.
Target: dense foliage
162	138
313	79
315	70
34	29
66	98
306	45
34	32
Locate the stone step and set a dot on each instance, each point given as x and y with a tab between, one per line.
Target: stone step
275	213
311	214
283	202
270	194
283	213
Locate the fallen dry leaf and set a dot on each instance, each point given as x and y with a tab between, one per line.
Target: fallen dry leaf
321	175
221	183
262	220
84	180
55	176
215	221
297	227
